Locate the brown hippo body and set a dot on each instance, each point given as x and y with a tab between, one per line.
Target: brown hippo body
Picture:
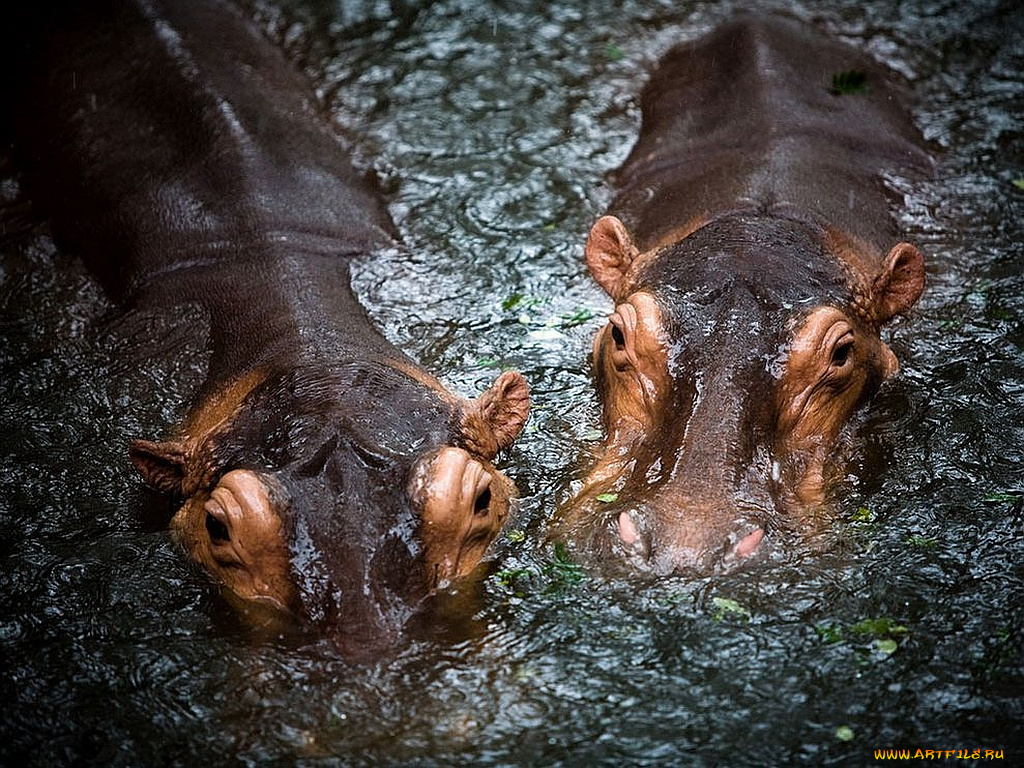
322	471
753	256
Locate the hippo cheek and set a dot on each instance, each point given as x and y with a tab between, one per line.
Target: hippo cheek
463	503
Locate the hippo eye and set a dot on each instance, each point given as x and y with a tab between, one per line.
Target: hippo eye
483	502
623	321
841	351
618	336
217	530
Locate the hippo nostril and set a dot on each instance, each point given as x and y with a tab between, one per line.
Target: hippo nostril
749	543
627	530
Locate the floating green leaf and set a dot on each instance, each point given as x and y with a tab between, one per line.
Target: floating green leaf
923	541
1005	497
830	634
512	301
607	498
578	317
852	82
563	570
844	733
613	52
520	301
883	627
487	362
1018	183
724	606
880	635
863	515
509	578
886	646
516	536
675	599
1000	313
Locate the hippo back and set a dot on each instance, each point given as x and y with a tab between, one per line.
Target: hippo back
748	117
199	154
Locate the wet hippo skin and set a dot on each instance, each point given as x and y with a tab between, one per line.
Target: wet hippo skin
321	471
752	256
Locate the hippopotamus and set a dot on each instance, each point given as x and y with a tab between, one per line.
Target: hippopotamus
320	471
752	256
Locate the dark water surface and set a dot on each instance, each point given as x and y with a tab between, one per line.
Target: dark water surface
495	123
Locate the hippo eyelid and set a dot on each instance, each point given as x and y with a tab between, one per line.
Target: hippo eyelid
840	341
841	351
623	325
618	329
216	521
216	529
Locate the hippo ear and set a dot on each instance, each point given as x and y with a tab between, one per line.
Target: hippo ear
899	284
493	420
609	253
162	465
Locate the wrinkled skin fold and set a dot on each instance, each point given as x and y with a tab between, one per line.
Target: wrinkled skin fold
321	473
752	260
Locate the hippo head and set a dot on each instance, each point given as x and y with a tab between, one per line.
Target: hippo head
342	496
733	359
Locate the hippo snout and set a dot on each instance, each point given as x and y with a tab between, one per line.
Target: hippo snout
701	542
